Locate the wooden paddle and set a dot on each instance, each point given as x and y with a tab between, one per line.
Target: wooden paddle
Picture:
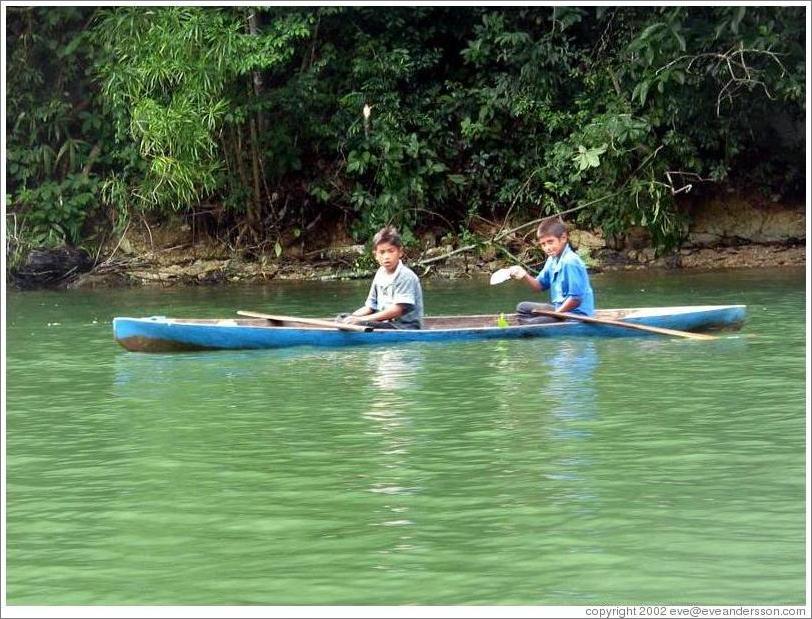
342	326
621	323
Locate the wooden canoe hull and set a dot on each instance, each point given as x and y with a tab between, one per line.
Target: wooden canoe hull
162	334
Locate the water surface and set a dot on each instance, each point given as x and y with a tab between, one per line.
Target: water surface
581	471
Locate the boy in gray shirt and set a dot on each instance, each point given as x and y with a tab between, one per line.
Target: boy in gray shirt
395	299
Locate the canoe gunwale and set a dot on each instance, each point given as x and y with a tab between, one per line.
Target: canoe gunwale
485	321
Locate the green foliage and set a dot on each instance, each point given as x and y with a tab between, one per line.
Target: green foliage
172	78
589	158
54	212
52	126
474	112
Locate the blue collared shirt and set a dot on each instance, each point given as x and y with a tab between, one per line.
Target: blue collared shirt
565	275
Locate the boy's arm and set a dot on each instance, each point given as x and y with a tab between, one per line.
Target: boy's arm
372	301
569	304
363	311
390	313
369	315
517	272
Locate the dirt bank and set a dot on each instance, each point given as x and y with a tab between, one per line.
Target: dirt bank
730	233
196	267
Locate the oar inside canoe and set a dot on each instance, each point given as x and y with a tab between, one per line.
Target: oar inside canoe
627	325
327	324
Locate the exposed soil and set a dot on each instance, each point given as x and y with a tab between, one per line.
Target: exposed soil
729	235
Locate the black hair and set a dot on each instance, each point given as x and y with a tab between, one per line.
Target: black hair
388	234
552	227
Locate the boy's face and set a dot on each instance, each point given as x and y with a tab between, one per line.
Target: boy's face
388	256
553	245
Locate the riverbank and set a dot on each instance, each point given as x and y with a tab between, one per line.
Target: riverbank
724	234
194	266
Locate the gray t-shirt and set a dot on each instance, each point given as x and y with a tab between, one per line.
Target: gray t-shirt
401	287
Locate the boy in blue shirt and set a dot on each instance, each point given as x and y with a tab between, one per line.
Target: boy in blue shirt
564	273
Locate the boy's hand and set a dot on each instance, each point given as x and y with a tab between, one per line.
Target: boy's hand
517	272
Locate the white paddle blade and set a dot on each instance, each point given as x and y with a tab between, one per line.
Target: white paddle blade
502	275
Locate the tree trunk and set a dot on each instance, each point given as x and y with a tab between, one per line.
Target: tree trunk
254	214
238	157
91	158
256	76
256	127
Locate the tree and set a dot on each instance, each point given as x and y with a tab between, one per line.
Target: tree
184	84
55	130
254	115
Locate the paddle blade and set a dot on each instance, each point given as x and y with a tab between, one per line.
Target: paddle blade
502	275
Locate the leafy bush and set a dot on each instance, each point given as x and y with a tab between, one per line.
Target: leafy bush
256	114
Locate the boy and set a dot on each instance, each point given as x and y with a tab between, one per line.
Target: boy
564	273
395	299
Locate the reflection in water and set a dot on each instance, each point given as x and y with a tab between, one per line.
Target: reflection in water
145	369
572	395
572	383
393	370
392	376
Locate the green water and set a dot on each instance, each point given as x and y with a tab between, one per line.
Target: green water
640	470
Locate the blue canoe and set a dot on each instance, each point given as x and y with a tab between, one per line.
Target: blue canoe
162	334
